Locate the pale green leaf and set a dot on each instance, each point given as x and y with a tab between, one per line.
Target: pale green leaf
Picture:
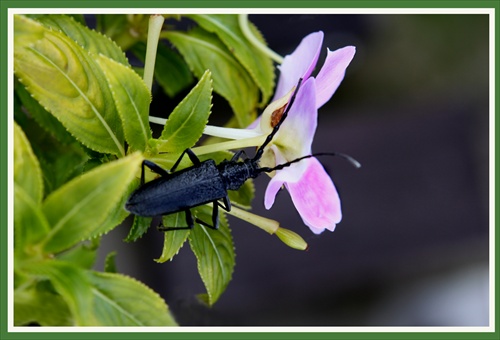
40	306
82	255
90	40
72	283
122	301
132	99
44	118
59	162
186	123
214	250
78	209
27	172
203	50
256	62
30	225
66	80
175	239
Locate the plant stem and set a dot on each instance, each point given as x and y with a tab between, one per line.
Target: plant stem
154	29
266	224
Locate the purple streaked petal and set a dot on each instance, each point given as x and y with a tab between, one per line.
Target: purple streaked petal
297	131
277	181
272	189
316	198
331	74
299	64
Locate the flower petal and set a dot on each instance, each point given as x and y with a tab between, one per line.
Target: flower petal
299	64
296	134
293	173
272	189
316	198
331	74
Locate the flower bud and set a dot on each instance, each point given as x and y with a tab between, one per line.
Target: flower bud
291	239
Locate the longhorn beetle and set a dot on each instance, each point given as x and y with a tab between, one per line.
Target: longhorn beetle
204	182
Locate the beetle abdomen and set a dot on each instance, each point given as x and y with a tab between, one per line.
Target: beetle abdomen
178	191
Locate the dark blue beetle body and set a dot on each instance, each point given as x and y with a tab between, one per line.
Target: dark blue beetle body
178	191
203	183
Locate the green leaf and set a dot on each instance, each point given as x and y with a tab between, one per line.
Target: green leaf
59	162
40	306
27	172
30	225
66	80
111	25
110	263
122	301
256	62
203	50
132	99
83	255
72	283
139	227
94	299
186	123
78	209
171	71
175	239
214	250
90	40
42	116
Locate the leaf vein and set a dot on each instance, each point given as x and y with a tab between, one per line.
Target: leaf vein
85	97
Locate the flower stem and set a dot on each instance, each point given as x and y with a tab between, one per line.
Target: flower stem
245	28
266	224
154	29
230	133
157	120
229	145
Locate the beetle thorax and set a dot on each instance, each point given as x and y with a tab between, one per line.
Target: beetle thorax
236	173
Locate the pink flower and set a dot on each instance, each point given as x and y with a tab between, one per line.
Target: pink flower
311	189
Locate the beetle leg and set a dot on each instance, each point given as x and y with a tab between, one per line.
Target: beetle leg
215	217
189	222
238	155
227	204
192	156
153	167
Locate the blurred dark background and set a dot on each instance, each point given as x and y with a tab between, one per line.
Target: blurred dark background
413	246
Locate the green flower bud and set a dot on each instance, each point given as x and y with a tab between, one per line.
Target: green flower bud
291	239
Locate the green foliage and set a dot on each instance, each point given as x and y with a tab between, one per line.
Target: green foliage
186	123
81	132
214	250
78	210
67	81
132	100
203	50
258	65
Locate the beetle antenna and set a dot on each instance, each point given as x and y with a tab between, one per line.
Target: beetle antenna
270	137
348	158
